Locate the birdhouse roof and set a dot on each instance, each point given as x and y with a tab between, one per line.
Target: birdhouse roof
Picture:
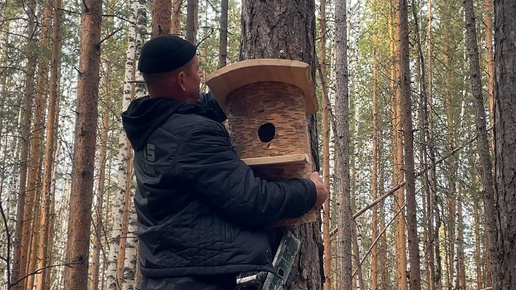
225	80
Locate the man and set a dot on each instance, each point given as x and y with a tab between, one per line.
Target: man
201	211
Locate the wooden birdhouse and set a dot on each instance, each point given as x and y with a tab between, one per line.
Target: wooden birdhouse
266	102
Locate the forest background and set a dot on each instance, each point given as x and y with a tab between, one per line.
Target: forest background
421	194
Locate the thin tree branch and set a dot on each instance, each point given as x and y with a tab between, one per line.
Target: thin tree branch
395	188
8	236
119	17
109	36
207	36
418	174
378	238
38	271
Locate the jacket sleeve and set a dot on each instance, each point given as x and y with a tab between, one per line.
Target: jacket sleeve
208	103
207	161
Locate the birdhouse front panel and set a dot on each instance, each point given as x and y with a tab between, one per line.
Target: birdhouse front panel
268	119
266	102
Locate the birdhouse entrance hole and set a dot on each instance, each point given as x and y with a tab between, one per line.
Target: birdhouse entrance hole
266	132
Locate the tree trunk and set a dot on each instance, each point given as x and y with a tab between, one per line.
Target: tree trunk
451	204
131	262
127	204
46	195
423	121
374	181
478	251
176	17
488	21
98	224
81	196
123	194
342	140
268	34
31	229
161	15
191	20
505	128
432	199
327	257
223	38
20	256
408	145
397	160
483	147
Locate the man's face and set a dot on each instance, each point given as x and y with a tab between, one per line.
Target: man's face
193	80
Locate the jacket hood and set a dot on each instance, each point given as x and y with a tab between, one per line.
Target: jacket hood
144	115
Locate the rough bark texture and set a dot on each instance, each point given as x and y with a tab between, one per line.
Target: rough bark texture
34	182
267	33
342	139
505	138
400	238
408	145
81	195
488	21
161	17
20	256
176	17
325	147
223	38
483	148
191	20
52	121
99	222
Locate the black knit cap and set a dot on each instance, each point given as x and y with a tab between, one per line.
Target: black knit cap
165	53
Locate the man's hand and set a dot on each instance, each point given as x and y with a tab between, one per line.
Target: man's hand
322	191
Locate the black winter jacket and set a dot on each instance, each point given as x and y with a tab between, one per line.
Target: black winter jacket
200	208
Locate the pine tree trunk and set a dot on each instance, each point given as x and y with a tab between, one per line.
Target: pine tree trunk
98	223
223	38
483	147
43	259
408	146
342	142
397	160
451	204
488	21
460	269
268	34
423	134
176	17
478	251
191	20
81	196
432	199
374	181
161	17
31	231
327	257
505	128
20	258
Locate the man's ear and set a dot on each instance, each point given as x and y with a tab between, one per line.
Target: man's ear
181	80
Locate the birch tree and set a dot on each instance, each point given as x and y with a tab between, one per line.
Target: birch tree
122	196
